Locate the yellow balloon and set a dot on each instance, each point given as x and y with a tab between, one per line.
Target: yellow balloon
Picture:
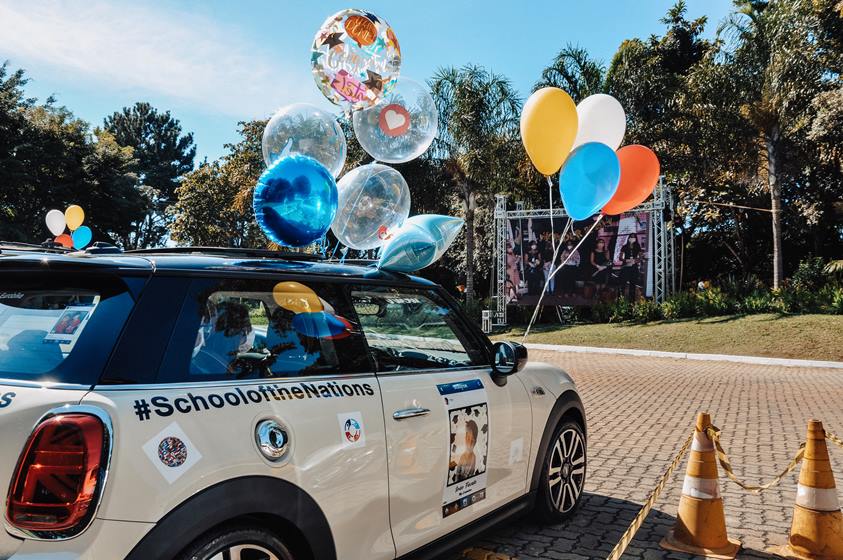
296	297
74	216
549	128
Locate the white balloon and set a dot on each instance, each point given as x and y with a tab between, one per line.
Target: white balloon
601	119
56	222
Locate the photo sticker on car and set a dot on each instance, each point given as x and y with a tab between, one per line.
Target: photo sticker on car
171	452
468	447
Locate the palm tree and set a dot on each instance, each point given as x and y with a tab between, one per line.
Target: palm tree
574	71
478	127
771	52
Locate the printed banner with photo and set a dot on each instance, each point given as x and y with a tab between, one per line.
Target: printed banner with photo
468	418
612	262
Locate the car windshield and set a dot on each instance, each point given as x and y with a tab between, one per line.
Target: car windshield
59	329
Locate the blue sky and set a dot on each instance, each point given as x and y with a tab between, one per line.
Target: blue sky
213	63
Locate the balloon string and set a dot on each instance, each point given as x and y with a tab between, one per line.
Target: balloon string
552	274
334	252
550	204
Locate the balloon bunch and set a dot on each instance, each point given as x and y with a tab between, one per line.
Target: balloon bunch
71	219
581	142
356	61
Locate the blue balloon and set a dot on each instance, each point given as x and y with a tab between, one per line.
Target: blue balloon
319	324
419	242
589	179
295	201
81	237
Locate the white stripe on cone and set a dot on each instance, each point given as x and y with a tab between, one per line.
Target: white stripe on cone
819	499
701	488
702	443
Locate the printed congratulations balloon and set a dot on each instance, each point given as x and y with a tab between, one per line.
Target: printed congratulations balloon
356	58
374	200
307	130
589	179
295	201
419	242
400	128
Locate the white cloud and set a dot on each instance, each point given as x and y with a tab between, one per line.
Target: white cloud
179	54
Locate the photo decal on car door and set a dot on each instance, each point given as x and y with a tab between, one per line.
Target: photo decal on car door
468	421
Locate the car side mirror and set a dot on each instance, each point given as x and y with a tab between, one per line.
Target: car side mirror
510	357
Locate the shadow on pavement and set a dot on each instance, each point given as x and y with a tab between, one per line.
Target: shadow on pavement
592	532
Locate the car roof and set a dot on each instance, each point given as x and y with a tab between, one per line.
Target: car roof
198	260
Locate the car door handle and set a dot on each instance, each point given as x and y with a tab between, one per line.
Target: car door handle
410	413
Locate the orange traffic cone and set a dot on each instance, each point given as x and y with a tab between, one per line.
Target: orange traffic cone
701	523
817	529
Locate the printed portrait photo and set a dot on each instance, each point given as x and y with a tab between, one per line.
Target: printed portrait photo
469	442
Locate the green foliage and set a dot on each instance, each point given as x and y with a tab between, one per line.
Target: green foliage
810	275
646	310
162	157
680	306
836	304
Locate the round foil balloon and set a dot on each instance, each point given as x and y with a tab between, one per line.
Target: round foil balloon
295	201
307	130
374	200
355	58
400	128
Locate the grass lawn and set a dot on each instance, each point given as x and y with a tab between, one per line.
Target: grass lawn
810	337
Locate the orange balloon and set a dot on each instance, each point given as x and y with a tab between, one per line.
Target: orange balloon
640	171
64	240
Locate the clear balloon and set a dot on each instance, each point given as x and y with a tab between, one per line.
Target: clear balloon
400	128
74	216
374	200
601	119
295	201
589	179
420	242
355	58
55	222
306	130
81	237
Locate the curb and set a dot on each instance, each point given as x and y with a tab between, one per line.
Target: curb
689	356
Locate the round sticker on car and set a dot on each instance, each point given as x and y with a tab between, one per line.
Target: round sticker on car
172	452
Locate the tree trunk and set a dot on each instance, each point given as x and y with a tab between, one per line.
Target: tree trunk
469	205
771	141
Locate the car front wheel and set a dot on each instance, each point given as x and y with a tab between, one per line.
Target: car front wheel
237	543
563	473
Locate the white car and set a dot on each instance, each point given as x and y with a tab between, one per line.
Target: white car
216	404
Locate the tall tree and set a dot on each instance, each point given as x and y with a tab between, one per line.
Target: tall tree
773	57
163	155
478	133
573	70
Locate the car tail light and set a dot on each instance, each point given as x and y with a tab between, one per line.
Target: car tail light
59	476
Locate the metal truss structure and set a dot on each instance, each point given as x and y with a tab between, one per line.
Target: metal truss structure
660	207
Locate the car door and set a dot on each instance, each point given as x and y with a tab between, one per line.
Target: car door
457	442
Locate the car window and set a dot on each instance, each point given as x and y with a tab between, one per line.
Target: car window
59	327
410	330
246	329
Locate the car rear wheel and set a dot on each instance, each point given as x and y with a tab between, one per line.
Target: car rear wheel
563	474
240	543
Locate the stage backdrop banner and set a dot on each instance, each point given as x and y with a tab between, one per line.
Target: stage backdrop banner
615	261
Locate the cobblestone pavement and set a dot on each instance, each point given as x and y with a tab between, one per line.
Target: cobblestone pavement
640	410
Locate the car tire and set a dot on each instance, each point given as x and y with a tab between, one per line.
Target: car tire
237	543
563	474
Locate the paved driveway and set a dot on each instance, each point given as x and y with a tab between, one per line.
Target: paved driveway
640	410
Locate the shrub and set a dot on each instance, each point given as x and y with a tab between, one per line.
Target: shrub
714	301
810	275
646	310
621	310
760	301
679	306
836	301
